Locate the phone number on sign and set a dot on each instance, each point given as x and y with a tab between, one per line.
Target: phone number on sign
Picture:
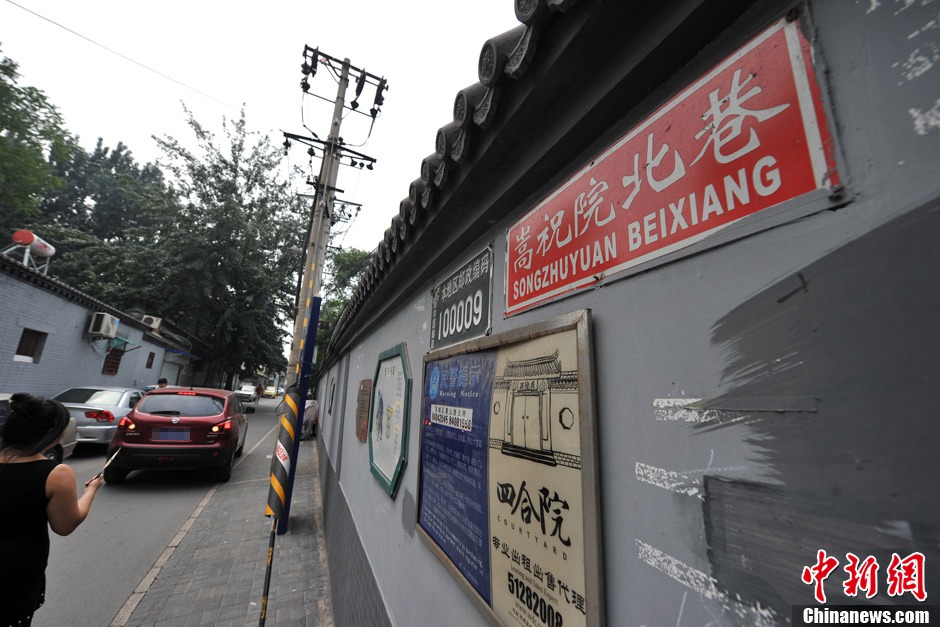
544	611
455	417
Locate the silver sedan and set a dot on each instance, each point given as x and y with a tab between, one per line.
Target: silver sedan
98	409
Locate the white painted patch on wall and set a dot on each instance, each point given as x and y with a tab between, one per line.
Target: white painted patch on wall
925	121
668	480
675	409
920	61
898	528
929	25
694	579
705	586
907	4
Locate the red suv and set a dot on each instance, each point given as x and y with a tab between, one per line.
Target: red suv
180	428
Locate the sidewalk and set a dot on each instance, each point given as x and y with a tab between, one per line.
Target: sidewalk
213	571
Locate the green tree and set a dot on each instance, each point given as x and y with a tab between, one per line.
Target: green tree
32	141
104	221
344	267
106	193
229	268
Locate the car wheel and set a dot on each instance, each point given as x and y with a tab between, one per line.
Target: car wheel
114	474
55	454
241	449
224	472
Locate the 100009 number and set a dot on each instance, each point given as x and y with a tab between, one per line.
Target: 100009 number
536	604
463	314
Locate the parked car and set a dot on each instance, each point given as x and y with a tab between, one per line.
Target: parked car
4	408
247	393
181	428
98	409
270	392
311	419
62	449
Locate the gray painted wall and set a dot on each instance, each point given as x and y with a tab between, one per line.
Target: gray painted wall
69	357
828	320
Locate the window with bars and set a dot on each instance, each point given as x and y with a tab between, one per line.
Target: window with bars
30	347
113	361
150	359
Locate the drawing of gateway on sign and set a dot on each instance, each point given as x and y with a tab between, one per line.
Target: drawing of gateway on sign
538	404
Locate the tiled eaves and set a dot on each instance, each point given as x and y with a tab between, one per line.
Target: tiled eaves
503	60
57	287
54	286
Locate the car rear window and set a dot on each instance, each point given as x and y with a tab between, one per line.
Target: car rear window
181	405
90	396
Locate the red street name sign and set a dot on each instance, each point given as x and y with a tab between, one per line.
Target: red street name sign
745	137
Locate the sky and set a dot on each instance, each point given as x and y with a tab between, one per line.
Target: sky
122	70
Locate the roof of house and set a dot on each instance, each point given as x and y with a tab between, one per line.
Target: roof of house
554	92
50	284
448	175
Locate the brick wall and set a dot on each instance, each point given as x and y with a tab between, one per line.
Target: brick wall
69	357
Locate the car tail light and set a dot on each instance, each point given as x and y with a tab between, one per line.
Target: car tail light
127	423
186	393
225	425
101	416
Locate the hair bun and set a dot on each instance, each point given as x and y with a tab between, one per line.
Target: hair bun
20	398
34	424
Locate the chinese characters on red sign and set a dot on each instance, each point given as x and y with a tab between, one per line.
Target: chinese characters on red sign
902	575
748	135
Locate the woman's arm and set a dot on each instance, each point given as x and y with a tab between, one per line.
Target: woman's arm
66	512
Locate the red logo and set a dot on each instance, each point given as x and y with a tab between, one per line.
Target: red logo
818	573
903	575
907	575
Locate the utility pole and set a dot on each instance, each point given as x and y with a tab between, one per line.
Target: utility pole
308	306
319	232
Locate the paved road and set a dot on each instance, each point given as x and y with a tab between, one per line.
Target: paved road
92	572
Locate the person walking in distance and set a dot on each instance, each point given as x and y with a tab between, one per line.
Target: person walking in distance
35	494
161	383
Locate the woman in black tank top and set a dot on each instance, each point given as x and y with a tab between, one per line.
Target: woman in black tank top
35	494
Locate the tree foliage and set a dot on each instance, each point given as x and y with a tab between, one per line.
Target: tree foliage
345	266
230	261
203	239
32	141
104	219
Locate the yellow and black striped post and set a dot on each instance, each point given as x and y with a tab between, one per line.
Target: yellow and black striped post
283	457
281	464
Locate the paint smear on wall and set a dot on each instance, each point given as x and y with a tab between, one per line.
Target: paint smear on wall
857	331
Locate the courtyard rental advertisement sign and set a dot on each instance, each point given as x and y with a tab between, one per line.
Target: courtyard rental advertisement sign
747	136
508	493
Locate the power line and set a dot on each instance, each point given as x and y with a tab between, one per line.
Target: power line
124	56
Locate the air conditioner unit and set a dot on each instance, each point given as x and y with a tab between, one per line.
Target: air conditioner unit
153	322
103	325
